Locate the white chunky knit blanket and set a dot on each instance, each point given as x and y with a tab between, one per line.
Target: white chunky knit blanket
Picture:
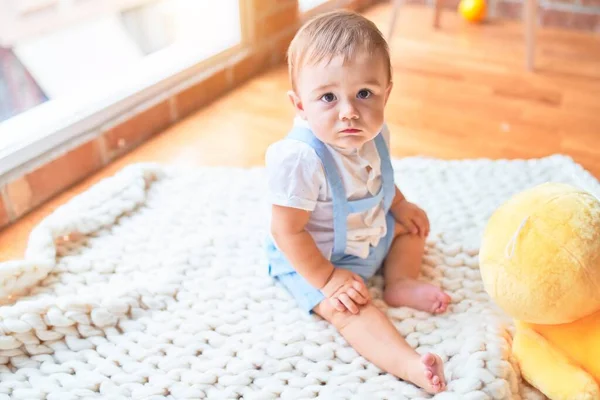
153	285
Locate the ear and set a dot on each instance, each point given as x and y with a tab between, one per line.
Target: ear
388	90
297	103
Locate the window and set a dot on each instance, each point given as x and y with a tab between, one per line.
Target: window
61	59
306	5
18	90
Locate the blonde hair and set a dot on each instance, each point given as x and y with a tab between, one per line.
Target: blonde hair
337	33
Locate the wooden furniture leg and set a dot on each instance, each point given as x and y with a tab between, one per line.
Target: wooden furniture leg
395	9
436	13
530	25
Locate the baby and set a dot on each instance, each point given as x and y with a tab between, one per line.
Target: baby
337	215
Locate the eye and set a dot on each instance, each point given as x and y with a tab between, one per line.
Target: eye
364	94
328	97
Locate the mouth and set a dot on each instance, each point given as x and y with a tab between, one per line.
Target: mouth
351	130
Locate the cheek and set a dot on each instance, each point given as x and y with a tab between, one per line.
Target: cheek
318	119
321	113
373	112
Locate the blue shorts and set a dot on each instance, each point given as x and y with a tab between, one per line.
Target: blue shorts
306	295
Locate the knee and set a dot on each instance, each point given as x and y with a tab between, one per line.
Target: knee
339	319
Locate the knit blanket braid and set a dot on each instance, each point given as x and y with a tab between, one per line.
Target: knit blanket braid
153	284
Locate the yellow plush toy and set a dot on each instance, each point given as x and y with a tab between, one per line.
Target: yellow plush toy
540	262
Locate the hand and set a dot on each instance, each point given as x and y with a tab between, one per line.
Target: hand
412	218
346	290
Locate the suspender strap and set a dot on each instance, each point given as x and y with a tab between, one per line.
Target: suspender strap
387	172
340	205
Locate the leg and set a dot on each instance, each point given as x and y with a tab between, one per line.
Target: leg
436	13
396	7
530	9
374	337
401	270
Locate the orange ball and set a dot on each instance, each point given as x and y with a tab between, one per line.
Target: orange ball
472	10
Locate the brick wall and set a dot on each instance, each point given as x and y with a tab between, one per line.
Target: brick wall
274	24
581	15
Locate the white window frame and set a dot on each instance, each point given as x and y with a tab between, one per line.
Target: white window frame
52	124
329	5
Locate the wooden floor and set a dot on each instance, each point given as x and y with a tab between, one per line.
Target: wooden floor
460	92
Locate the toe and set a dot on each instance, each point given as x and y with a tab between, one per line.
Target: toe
445	298
428	374
436	380
428	359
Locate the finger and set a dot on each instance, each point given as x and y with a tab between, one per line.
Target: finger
360	286
412	223
337	304
347	301
417	223
405	222
413	227
422	224
356	297
360	298
426	222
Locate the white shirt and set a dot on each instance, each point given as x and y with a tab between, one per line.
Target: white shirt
296	178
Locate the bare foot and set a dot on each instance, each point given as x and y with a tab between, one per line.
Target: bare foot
416	294
428	373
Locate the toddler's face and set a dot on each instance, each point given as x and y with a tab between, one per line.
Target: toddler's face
343	103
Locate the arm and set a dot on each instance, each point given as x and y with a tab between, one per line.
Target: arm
398	199
287	228
295	178
345	289
409	215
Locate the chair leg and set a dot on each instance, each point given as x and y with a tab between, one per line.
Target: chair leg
437	13
395	9
530	25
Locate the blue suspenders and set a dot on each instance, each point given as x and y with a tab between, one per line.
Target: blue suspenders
341	206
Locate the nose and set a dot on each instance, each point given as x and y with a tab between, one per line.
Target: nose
348	111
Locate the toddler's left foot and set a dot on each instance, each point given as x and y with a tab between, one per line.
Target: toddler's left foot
416	294
428	373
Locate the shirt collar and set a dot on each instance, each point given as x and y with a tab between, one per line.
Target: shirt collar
301	122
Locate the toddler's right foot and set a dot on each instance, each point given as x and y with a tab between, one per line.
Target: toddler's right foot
416	294
428	373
